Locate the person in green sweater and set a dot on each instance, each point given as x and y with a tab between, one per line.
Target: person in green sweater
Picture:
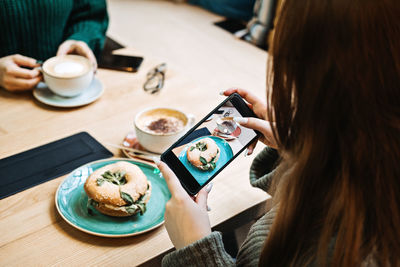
332	127
33	31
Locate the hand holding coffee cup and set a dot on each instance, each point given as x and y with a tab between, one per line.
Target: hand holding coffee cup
67	75
19	73
158	128
78	48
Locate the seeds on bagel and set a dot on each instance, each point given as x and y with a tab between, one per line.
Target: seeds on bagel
119	189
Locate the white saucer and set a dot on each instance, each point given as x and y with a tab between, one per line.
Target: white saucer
44	95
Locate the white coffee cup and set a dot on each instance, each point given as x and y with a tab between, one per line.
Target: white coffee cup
158	128
67	75
226	125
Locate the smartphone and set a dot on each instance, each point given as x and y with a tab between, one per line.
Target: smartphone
213	143
120	62
231	25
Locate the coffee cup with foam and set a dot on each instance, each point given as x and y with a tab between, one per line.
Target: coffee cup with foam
158	128
226	125
67	75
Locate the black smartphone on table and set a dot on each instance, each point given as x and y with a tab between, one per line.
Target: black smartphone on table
108	60
213	143
120	62
231	25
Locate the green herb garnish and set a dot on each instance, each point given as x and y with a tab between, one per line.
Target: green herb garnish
100	181
201	146
131	209
203	160
142	207
212	165
139	204
117	178
207	166
126	197
89	204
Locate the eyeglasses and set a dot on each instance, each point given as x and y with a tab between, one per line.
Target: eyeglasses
155	79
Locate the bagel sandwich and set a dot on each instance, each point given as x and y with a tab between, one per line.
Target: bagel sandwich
203	154
120	189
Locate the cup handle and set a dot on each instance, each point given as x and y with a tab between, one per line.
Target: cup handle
39	68
191	119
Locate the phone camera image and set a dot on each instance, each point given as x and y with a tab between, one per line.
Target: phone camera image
213	143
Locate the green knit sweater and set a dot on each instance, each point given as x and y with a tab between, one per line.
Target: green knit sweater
36	28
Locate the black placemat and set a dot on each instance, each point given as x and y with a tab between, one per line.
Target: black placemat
41	164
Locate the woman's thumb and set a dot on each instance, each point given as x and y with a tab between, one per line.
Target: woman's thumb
201	198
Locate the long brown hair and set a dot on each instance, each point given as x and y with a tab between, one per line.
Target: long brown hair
334	70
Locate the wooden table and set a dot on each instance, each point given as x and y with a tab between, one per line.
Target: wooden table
202	59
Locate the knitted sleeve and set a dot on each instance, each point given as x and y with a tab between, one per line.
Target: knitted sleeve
88	22
262	168
208	251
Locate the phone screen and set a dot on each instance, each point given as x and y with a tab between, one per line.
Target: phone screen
206	149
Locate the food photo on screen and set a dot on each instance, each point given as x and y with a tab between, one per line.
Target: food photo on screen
213	143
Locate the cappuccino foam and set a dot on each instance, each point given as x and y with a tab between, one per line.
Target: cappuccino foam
67	66
162	121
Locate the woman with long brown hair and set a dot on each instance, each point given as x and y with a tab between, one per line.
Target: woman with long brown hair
334	74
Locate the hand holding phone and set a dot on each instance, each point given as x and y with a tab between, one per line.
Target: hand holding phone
186	219
211	144
262	123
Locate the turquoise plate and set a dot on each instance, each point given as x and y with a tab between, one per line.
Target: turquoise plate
71	201
202	176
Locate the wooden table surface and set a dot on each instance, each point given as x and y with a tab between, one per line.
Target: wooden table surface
202	59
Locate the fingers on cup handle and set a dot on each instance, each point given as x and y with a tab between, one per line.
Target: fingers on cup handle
80	48
64	48
24	61
84	50
18	84
25	73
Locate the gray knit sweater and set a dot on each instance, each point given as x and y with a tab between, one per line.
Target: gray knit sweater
209	251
